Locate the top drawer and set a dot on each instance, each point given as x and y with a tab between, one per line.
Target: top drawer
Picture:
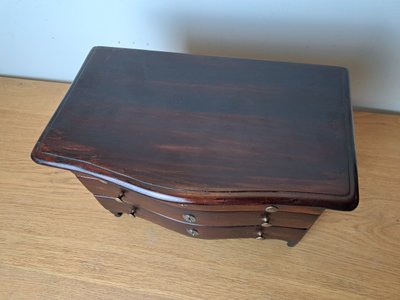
257	216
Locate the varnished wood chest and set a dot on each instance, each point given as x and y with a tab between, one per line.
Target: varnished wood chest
209	147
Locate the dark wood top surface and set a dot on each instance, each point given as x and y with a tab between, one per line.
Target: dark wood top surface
208	130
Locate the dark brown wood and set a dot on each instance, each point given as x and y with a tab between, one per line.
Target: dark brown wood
208	130
209	147
283	219
291	235
102	187
108	193
241	207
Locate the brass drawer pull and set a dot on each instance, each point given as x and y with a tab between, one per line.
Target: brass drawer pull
193	232
189	218
271	209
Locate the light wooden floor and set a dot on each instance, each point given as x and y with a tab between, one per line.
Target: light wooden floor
56	242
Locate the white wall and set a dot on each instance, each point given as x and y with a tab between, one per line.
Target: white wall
50	39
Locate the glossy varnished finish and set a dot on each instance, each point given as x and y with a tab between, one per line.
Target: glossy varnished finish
240	217
233	221
207	130
291	235
102	187
214	224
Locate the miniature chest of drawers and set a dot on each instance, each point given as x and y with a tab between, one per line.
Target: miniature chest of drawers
209	147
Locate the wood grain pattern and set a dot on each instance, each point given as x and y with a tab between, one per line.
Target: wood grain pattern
56	243
208	130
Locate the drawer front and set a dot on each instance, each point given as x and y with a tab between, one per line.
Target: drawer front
199	217
286	208
283	219
102	187
221	218
291	235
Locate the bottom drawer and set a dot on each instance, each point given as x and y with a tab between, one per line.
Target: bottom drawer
291	235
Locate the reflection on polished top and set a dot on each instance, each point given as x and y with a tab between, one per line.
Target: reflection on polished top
202	129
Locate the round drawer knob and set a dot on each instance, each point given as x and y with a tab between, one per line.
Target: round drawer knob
193	232
189	218
271	209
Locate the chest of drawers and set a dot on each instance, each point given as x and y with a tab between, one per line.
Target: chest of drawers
209	147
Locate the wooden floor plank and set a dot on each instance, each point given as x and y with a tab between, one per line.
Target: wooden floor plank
56	242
